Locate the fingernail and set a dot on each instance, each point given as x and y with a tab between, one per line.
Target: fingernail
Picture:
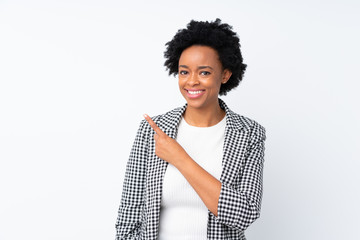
145	115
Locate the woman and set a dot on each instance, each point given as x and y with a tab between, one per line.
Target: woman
196	172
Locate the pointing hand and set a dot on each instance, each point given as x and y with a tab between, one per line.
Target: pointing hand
166	147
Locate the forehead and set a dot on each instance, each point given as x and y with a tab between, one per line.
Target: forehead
199	55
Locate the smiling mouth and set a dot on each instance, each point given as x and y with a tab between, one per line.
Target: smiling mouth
194	92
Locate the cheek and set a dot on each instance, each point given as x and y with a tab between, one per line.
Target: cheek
214	83
181	83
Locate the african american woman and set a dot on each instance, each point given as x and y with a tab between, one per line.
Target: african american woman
196	171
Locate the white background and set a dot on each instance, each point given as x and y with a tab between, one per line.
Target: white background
76	77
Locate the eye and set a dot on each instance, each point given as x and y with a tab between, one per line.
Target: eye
205	73
183	72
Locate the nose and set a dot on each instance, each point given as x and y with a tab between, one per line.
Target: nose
193	80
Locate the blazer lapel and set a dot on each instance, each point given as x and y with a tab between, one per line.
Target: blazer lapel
236	137
233	154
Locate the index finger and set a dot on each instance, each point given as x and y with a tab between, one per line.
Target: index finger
153	124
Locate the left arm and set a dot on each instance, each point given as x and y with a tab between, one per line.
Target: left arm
205	185
240	203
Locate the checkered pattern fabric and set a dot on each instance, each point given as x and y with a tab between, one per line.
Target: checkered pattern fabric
241	179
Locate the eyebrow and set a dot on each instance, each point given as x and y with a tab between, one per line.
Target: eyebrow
200	67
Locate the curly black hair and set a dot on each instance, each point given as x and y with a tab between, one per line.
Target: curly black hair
216	35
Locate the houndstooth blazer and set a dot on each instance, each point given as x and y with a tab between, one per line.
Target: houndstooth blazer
241	179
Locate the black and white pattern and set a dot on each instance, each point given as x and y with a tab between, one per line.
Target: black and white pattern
241	179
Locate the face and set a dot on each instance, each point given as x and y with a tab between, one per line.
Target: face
200	76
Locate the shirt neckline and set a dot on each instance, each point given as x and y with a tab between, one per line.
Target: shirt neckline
218	125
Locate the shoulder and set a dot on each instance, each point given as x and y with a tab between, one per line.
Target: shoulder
170	118
243	123
165	120
239	122
250	124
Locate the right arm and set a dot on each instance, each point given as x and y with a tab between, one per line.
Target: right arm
132	199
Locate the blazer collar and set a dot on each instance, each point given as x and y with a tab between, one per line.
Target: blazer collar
171	120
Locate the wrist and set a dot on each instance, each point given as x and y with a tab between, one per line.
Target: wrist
182	161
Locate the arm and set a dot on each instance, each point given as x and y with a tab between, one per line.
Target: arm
240	204
235	206
206	186
129	214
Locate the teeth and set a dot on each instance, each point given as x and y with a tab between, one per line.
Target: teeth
194	92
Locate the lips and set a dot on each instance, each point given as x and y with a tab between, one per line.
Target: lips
194	93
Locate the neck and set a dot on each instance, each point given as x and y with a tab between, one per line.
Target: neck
204	117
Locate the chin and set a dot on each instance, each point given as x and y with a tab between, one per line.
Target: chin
196	103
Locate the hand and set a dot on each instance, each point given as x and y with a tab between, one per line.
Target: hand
166	148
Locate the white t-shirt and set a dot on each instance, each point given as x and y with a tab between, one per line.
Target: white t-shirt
183	215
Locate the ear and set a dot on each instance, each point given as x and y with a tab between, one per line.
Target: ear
226	76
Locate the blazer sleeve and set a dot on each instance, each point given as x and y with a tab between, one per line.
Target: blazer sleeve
129	215
239	204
